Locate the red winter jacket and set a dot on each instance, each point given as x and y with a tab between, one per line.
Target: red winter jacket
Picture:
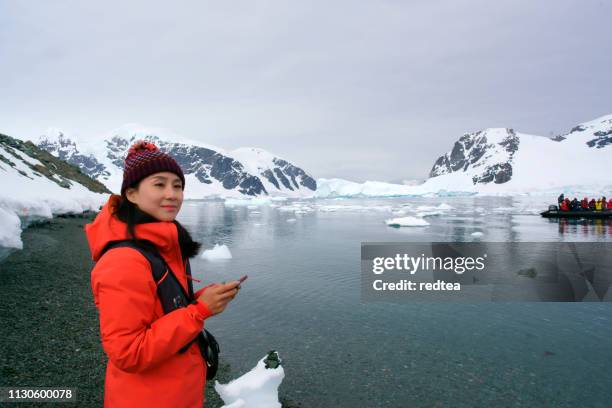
584	204
144	368
564	206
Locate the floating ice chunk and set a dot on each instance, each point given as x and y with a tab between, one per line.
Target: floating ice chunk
291	220
477	234
332	208
246	202
503	209
429	213
256	389
407	222
441	207
217	253
297	208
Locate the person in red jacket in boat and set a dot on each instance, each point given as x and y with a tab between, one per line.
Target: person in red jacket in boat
564	205
584	204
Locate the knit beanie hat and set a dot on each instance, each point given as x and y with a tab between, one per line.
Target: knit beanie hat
144	159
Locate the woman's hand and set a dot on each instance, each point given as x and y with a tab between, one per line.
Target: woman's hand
217	296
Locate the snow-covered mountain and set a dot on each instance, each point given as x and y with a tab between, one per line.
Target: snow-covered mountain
209	170
596	133
487	155
521	162
503	161
36	185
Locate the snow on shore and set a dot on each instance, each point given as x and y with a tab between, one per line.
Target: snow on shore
11	229
17	213
28	197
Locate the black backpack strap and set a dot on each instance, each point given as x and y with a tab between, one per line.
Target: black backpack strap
169	290
158	264
189	282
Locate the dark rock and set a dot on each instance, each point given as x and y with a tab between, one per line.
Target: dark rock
603	139
272	360
498	173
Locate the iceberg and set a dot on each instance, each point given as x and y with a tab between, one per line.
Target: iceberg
247	202
218	252
407	222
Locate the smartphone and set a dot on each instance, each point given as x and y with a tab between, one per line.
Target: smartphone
241	280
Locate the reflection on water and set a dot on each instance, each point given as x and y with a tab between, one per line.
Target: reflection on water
584	226
303	299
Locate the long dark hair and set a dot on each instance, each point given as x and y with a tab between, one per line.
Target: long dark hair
129	213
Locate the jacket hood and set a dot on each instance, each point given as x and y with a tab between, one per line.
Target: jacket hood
106	228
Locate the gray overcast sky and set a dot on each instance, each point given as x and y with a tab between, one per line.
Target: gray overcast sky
363	90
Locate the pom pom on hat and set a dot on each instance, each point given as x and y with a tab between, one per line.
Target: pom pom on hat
143	159
142	145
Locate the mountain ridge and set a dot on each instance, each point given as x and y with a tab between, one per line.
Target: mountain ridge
494	155
209	170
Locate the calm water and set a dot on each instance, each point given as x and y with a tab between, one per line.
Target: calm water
302	298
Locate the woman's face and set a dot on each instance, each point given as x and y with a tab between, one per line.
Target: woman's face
159	195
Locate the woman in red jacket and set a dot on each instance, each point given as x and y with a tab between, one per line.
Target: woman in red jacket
144	366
